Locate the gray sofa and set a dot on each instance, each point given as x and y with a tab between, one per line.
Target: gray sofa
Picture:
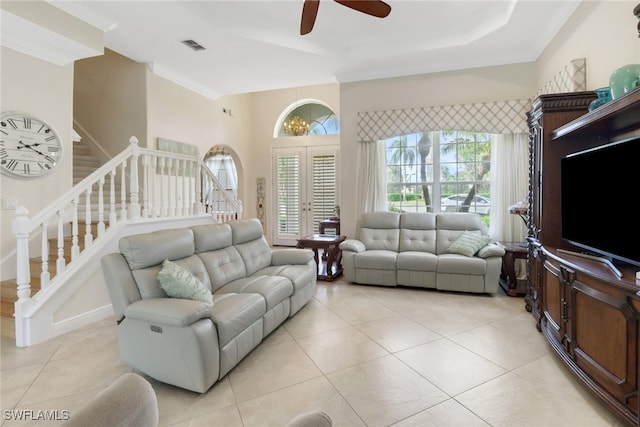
189	343
412	249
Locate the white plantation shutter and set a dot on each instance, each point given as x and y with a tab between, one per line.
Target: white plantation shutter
324	184
288	197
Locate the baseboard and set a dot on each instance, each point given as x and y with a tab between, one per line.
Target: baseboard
80	320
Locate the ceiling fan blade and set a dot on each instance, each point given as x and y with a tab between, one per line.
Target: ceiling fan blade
376	8
309	13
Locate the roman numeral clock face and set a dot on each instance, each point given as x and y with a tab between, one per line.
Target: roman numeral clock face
29	147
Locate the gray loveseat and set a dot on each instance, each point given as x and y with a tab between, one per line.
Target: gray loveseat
412	249
189	343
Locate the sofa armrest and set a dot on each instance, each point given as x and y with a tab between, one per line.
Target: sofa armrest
169	311
353	245
491	250
291	256
128	401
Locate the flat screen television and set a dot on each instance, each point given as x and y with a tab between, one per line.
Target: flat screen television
600	189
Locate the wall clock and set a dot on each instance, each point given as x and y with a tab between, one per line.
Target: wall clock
29	147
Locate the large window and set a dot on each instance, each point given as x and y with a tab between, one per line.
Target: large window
445	171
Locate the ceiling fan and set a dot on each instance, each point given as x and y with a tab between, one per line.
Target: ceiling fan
376	8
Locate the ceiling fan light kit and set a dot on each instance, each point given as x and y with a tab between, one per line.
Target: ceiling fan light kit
376	8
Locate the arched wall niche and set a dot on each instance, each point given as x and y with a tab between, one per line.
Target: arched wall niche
223	149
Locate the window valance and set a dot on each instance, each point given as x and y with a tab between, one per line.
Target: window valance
492	117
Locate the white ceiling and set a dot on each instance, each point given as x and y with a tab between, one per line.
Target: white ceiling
256	45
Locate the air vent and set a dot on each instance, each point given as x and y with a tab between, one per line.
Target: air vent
193	44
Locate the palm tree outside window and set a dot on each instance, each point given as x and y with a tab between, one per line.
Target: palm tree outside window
462	161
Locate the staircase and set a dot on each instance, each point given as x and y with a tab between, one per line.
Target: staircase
138	190
84	163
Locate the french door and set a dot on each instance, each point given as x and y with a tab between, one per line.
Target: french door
305	191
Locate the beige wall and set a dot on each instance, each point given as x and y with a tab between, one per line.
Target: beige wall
45	91
602	32
179	114
109	100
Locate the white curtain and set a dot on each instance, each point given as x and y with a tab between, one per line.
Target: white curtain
371	183
509	184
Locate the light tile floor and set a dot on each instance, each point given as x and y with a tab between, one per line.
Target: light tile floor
366	355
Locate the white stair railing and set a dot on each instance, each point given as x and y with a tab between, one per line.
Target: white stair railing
171	186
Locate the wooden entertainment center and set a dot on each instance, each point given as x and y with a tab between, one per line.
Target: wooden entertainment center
589	315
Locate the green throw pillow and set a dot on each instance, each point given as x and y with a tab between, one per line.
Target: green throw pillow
468	243
180	283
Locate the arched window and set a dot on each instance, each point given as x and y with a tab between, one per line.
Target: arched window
308	118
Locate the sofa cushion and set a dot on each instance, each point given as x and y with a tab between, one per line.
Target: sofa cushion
274	289
245	230
468	243
460	264
417	261
460	221
380	239
417	240
418	220
210	237
233	313
382	219
178	282
149	249
299	275
223	266
249	240
376	259
380	230
418	232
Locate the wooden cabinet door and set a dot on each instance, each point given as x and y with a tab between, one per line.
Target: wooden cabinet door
604	331
554	304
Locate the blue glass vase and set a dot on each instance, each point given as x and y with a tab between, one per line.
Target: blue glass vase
604	96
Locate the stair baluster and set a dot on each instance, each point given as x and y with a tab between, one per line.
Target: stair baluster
45	276
113	216
61	262
75	249
123	192
101	226
88	236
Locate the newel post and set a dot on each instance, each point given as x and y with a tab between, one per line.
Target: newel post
134	197
21	229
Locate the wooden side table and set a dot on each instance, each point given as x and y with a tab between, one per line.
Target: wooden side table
329	243
509	282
